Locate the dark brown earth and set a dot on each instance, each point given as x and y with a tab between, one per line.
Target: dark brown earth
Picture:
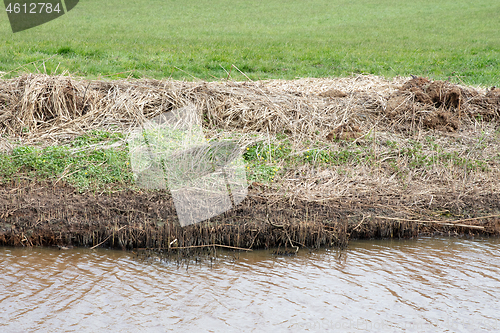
41	214
441	105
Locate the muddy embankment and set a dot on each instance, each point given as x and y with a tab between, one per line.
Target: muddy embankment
416	189
39	214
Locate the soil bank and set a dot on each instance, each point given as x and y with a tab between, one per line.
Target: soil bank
419	157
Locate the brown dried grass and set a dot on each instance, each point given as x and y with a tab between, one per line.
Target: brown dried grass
367	109
39	107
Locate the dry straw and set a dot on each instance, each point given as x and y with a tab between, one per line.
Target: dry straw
336	114
38	107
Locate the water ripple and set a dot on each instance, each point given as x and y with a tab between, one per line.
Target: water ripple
422	285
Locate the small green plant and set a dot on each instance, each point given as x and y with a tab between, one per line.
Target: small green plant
261	172
265	152
433	145
85	167
263	160
96	136
27	157
7	167
391	144
331	157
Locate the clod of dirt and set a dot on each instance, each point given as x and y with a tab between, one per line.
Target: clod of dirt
439	105
437	93
345	132
333	93
443	121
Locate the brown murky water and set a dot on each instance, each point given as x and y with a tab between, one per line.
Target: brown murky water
425	285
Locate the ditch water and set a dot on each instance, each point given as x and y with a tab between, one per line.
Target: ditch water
423	285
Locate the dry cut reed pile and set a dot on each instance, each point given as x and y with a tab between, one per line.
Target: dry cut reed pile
40	107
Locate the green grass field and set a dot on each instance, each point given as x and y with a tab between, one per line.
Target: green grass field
264	39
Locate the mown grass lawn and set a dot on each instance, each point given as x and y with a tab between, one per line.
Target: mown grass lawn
264	39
